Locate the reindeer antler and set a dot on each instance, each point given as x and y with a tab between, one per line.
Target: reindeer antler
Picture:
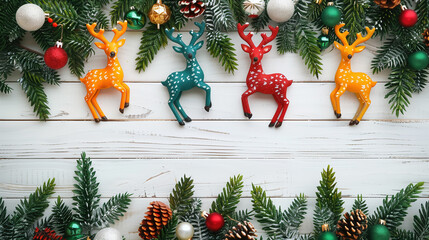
342	36
248	37
361	39
266	39
197	35
177	39
118	33
98	35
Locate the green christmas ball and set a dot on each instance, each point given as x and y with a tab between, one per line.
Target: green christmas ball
136	19
327	236
74	231
418	60
378	232
331	16
323	42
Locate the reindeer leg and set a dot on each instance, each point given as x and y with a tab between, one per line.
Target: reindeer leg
206	88
173	97
365	107
361	104
121	88
97	107
337	100
276	115
245	102
179	107
127	92
88	99
285	104
333	99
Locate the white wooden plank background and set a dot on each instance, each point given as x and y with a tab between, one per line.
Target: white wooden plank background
144	151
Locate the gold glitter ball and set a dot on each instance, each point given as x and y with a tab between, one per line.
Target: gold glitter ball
159	13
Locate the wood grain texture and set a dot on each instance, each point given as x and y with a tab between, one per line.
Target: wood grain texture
145	151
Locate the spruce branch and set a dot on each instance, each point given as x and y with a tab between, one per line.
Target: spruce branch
295	214
420	80
286	41
32	85
361	205
119	9
328	194
151	42
323	215
168	232
198	222
62	12
354	17
62	216
112	210
181	198
221	14
262	21
238	11
394	209
421	222
400	86
391	54
86	198
227	201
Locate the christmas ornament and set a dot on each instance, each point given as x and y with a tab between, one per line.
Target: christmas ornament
55	57
345	79
379	232
253	8
408	17
156	218
426	37
46	234
323	40
184	231
108	234
214	221
135	19
331	16
242	231
280	10
191	8
387	3
257	81
30	17
326	234
418	60
73	231
110	76
159	13
352	225
192	76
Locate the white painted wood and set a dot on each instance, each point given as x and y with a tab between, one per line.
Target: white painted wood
145	151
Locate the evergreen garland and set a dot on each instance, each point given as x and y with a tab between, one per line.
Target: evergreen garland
73	15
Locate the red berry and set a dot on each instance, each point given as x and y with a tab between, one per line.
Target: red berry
50	20
54	24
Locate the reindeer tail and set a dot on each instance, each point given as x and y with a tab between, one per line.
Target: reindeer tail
83	80
373	83
164	83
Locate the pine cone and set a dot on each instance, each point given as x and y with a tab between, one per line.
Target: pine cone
192	8
387	3
426	37
241	231
156	218
352	225
47	234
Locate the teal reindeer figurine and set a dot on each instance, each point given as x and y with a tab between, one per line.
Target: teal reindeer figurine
191	77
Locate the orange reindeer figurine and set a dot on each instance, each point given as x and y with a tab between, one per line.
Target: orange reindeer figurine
345	79
110	76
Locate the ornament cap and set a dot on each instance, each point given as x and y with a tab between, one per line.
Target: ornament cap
325	227
330	3
59	44
204	214
325	31
403	7
383	222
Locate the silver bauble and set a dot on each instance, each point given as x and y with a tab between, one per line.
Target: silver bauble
184	231
30	17
108	234
253	8
280	10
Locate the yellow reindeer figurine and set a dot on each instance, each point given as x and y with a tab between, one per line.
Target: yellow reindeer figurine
110	76
356	82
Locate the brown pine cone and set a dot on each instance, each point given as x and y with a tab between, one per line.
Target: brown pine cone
352	225
387	3
426	37
191	8
156	218
241	232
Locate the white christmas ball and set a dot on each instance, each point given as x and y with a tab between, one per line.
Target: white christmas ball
184	231
108	234
30	17
280	10
253	8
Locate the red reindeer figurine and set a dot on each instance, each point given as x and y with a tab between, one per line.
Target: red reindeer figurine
257	81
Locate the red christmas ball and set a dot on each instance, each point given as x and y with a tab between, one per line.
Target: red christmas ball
55	57
408	18
215	222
